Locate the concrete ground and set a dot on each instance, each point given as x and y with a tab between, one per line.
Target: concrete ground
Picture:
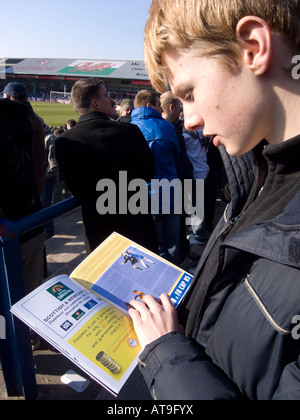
65	251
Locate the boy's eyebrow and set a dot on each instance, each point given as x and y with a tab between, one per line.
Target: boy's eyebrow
178	87
179	90
176	90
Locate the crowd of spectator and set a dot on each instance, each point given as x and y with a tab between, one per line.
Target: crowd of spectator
159	144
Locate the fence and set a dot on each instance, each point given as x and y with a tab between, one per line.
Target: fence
15	349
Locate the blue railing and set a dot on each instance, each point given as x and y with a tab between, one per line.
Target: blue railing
15	350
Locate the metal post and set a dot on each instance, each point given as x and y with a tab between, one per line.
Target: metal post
15	351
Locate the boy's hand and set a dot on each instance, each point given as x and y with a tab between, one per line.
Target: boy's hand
153	318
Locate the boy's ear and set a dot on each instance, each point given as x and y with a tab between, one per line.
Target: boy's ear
255	36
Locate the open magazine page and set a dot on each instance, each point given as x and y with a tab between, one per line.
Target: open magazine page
120	270
96	336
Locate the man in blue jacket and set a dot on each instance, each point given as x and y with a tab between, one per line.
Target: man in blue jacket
162	140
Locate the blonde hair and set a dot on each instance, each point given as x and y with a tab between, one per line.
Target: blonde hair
144	97
208	28
168	99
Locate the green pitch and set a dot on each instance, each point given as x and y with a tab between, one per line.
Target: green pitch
54	114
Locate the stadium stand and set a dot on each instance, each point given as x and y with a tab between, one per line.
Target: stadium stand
123	78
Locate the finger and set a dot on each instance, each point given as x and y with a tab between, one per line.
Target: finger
165	301
135	315
138	305
150	301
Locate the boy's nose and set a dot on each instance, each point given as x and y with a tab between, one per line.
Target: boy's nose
193	121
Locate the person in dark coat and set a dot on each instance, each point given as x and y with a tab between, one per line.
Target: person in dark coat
97	151
236	335
18	188
17	93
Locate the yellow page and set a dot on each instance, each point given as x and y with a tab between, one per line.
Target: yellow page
108	340
89	271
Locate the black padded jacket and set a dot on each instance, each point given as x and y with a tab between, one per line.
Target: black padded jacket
242	337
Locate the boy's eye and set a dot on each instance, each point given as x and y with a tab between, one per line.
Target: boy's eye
189	96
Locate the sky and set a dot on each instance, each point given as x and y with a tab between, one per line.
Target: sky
98	29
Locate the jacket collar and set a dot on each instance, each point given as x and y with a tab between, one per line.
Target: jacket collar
92	116
277	239
272	240
243	173
143	113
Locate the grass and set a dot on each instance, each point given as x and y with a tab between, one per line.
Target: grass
54	114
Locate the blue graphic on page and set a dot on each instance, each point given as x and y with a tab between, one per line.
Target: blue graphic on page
136	270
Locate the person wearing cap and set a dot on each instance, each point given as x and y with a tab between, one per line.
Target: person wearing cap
126	108
19	196
16	91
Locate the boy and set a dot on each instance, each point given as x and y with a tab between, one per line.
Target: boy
230	64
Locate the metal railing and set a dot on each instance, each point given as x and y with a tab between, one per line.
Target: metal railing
15	346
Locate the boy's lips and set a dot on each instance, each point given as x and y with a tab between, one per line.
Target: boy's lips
216	141
214	138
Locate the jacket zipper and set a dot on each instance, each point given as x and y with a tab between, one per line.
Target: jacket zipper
263	308
281	228
227	228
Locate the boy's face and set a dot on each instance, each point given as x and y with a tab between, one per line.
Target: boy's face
233	107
